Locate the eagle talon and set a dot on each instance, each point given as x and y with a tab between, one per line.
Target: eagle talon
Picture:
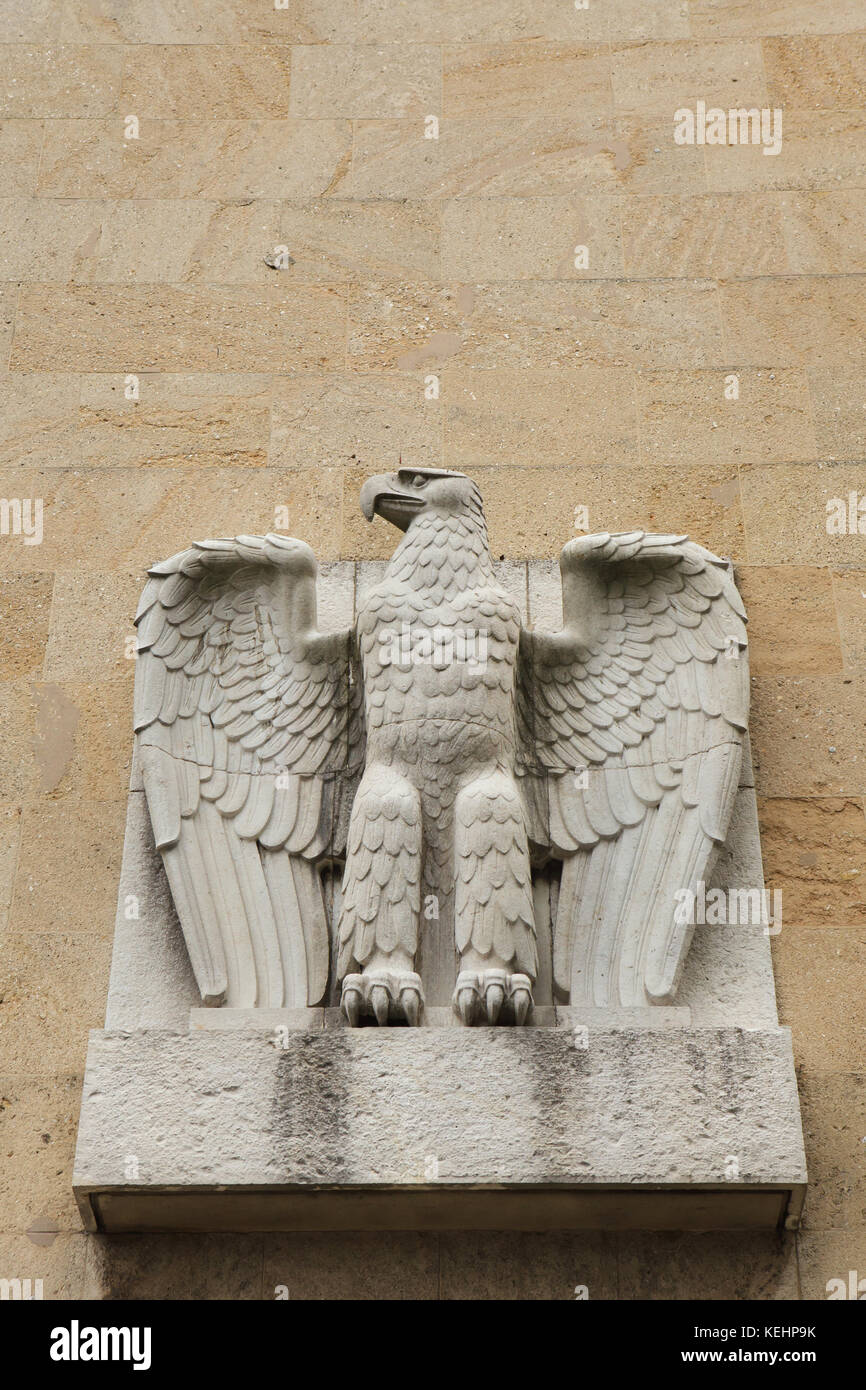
388	996
493	995
521	1002
353	998
410	1002
465	1005
380	1002
494	998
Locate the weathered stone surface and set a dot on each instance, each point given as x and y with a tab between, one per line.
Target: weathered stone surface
706	236
820	231
59	1261
849	588
53	986
133	329
487	239
524	325
573	415
61	80
615	499
493	80
180	1267
25	613
743	1265
541	155
815	855
808	731
819	979
239	159
364	82
353	419
178	420
794	631
685	417
786	513
518	1265
365	1114
834	1125
45	899
199	82
40	420
39	1117
366	1265
792	320
831	1264
840	417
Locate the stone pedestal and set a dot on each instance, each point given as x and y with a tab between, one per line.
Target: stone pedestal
429	1128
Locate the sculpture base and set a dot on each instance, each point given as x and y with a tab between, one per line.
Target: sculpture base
328	1128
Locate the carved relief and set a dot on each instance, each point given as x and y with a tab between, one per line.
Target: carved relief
470	750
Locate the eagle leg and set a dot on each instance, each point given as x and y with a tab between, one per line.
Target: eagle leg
494	923
378	930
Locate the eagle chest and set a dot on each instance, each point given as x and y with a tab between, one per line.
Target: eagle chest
428	658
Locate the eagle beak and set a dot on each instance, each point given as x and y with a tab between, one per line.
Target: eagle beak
395	503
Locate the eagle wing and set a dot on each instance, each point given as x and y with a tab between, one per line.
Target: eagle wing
249	726
631	724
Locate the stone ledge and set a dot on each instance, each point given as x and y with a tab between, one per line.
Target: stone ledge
543	1016
440	1128
444	1208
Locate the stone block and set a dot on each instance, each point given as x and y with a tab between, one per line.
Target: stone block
427	1128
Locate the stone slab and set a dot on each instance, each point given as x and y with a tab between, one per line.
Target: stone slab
431	1128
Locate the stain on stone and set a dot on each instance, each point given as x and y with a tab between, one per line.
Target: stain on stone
54	741
617	148
43	1231
90	243
555	1062
726	494
437	347
308	1111
698	1063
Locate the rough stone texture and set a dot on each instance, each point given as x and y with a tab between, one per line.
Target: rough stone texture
815	855
61	138
342	1129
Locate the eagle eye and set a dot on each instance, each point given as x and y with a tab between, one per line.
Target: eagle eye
419	480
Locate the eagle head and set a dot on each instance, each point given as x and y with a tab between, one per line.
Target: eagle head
402	496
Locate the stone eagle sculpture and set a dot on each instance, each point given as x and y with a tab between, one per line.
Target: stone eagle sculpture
470	750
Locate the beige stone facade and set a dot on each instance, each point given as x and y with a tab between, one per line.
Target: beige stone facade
433	307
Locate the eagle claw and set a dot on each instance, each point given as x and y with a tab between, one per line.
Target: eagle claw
492	996
388	996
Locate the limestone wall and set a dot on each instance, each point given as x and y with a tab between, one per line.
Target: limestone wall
159	381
